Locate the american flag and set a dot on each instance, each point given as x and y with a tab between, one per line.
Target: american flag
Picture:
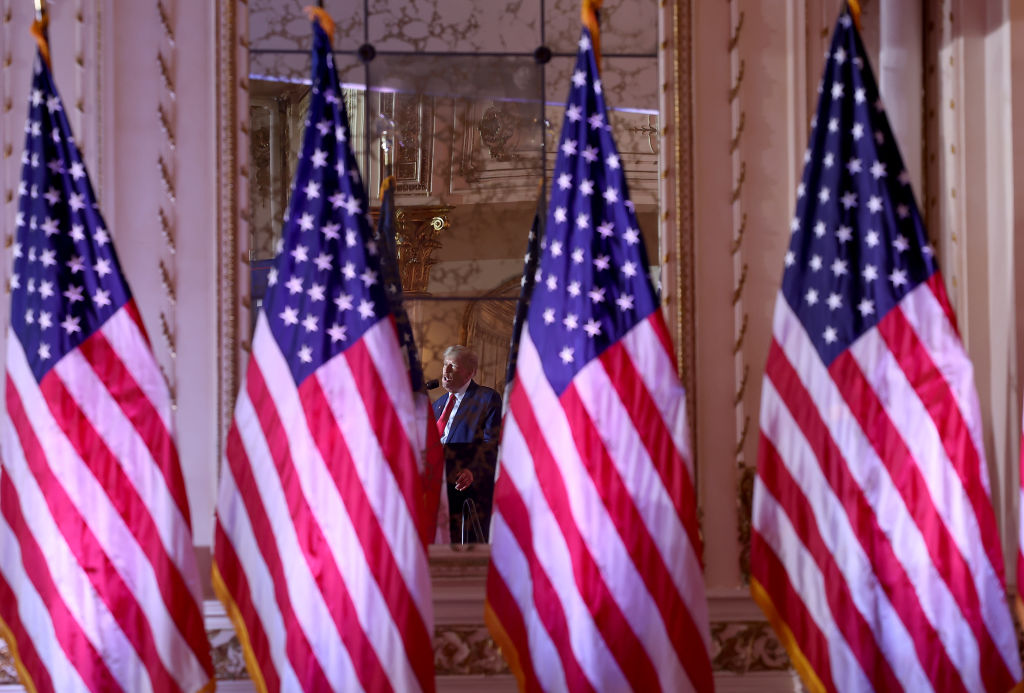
98	582
435	503
525	292
595	579
875	551
320	547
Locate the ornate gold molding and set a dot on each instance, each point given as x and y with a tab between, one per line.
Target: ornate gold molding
746	647
678	204
418	233
741	318
166	58
467	649
7	673
232	282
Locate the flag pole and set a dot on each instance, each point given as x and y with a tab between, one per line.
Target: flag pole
589	15
854	6
39	31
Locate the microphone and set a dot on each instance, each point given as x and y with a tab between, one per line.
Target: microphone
432	384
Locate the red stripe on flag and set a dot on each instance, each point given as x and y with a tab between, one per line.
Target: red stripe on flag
238	587
73	640
433	469
548	606
772	575
934	283
81	540
125	499
133	312
886	567
908	480
657	322
27	656
138	409
311	540
305	664
934	392
622	509
376	545
776	478
504	606
391	435
647	419
618	635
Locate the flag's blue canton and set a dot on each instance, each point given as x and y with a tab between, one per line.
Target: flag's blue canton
525	292
858	243
66	279
325	289
392	280
592	285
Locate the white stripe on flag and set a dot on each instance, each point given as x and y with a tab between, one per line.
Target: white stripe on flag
238	529
657	370
382	490
73	587
381	341
35	617
590	515
130	453
92	501
325	502
311	611
553	557
948	497
514	571
626	449
772	523
873	478
839	537
925	314
124	337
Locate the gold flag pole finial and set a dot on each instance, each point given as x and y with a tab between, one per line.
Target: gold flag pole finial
854	6
39	30
320	16
588	13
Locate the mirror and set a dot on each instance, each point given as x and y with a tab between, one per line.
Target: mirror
476	120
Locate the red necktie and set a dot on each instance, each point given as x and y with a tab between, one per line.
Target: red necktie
443	421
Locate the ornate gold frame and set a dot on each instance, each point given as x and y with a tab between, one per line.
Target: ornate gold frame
676	56
232	128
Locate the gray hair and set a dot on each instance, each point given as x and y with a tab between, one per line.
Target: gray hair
462	354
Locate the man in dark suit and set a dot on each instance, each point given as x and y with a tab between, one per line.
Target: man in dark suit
469	421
